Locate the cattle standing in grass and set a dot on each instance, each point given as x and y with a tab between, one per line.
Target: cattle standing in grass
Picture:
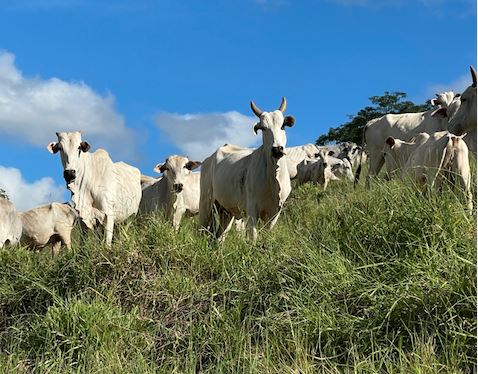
177	192
251	183
403	126
315	171
102	190
429	159
463	121
295	155
48	224
10	223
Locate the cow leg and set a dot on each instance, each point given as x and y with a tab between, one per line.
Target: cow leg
375	165
177	215
252	222
225	222
56	247
272	222
205	210
110	223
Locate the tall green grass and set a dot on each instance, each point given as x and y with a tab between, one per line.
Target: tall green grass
380	280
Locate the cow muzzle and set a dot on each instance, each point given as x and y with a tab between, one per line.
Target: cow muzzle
278	152
69	175
178	187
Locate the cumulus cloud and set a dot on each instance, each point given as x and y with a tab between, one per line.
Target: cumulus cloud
458	86
198	135
33	109
26	195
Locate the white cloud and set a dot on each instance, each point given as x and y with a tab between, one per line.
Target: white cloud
457	86
33	109
198	135
26	195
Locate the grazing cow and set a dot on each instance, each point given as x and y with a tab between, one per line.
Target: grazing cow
430	158
463	121
10	223
315	170
402	126
177	192
295	155
102	190
340	168
48	224
353	153
252	183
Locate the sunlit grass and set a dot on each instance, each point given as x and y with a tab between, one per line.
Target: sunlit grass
380	280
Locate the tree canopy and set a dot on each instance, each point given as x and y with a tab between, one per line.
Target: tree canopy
389	102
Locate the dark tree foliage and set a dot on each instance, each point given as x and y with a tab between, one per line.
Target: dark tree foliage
389	102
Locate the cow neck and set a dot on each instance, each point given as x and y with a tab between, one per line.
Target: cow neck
276	170
78	194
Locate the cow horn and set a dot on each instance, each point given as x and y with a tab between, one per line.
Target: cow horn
283	104
255	109
473	75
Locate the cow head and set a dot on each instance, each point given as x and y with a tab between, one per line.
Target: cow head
71	147
344	169
175	168
464	120
273	126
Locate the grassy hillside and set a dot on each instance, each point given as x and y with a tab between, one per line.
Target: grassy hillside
348	281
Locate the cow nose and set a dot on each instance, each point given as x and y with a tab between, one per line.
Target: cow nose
69	175
278	152
178	187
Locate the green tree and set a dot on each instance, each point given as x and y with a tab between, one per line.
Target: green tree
389	102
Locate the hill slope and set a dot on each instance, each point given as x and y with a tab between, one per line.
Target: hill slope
367	281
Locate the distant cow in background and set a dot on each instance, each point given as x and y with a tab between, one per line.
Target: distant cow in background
402	126
10	223
295	155
102	190
177	192
48	224
463	121
430	159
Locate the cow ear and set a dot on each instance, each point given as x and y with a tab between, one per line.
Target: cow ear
258	126
160	168
84	146
288	121
191	165
434	102
440	113
390	141
52	147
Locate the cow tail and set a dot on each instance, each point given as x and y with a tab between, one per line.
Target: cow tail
359	168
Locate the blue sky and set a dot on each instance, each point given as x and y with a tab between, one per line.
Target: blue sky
146	79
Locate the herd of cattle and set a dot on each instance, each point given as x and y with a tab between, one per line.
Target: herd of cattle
244	184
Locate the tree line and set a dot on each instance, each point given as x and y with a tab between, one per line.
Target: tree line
389	102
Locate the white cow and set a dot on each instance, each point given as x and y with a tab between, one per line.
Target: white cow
353	153
102	190
295	155
252	183
177	192
401	126
463	121
48	224
429	159
10	223
340	168
314	170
